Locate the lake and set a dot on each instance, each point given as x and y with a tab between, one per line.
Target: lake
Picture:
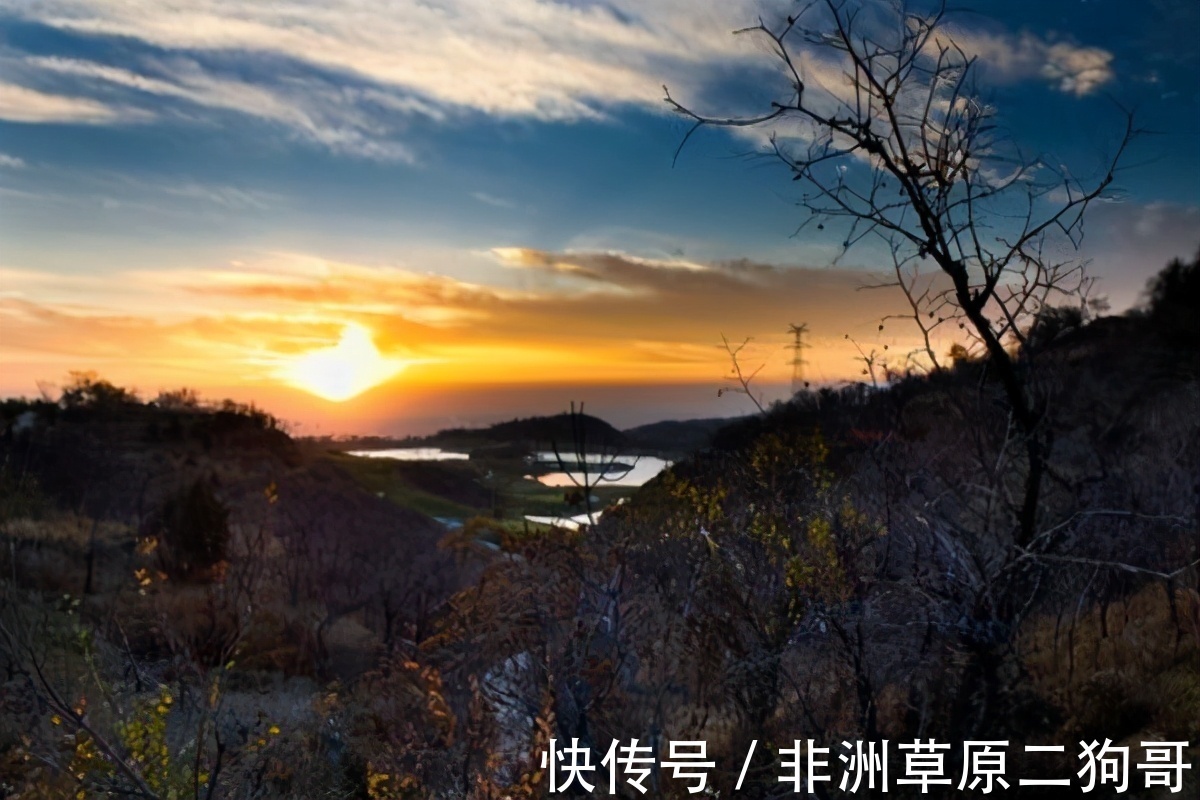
411	454
643	468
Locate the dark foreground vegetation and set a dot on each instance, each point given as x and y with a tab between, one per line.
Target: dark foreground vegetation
192	605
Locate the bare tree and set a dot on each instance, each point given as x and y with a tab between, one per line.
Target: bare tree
883	124
589	465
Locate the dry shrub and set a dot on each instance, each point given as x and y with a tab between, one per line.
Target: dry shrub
1123	668
279	641
49	567
165	618
893	701
193	526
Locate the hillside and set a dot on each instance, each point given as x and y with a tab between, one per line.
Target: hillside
107	474
532	433
677	436
879	530
845	566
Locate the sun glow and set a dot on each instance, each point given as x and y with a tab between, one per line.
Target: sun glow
342	371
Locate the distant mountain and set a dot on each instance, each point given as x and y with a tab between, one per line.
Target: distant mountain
535	431
677	435
670	436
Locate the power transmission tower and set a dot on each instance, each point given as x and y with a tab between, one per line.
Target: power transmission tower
798	346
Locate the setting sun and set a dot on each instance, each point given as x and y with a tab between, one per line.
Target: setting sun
342	371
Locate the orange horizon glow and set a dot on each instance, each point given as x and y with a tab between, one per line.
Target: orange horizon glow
313	339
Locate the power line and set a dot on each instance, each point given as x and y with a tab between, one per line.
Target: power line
798	346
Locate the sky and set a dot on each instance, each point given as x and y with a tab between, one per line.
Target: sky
390	217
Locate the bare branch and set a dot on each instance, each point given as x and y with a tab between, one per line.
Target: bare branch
740	377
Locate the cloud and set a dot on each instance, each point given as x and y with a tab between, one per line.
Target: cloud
1077	70
311	109
1068	67
643	319
492	200
349	75
612	271
11	162
831	90
557	59
21	104
231	198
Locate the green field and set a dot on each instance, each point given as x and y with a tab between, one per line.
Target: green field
464	489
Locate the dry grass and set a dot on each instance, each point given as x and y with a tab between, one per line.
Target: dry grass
68	529
1127	670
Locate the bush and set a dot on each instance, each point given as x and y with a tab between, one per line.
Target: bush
1173	300
193	528
1050	324
20	495
89	390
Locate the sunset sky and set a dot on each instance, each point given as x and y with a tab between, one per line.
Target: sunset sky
458	211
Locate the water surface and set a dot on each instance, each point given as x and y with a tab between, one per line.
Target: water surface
619	470
412	454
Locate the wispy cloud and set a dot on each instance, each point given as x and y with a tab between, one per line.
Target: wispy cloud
492	200
11	162
346	73
231	198
596	316
313	110
643	320
998	57
22	104
515	57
